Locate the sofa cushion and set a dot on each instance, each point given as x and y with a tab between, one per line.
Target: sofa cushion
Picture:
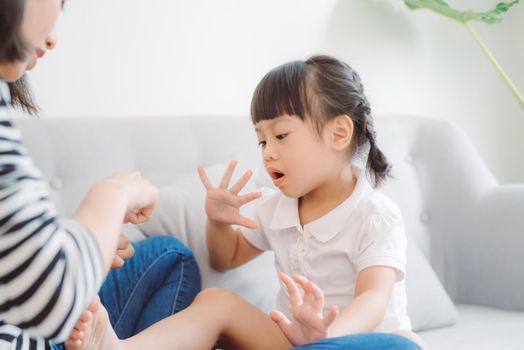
480	328
429	306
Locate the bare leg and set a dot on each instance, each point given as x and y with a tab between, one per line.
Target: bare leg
414	337
215	316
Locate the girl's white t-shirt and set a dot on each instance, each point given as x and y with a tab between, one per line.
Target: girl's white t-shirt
365	230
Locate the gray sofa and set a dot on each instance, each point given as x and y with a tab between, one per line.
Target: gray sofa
470	228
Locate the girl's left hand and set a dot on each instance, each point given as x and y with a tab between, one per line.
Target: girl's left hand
308	324
124	250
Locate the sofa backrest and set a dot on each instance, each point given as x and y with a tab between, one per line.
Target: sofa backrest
436	170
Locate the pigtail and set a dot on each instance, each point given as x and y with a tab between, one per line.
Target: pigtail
377	165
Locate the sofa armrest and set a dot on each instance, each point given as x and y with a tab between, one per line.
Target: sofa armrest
489	255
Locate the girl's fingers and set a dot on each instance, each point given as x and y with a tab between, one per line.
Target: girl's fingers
279	318
315	294
203	177
243	221
309	298
331	316
292	290
241	183
228	174
249	197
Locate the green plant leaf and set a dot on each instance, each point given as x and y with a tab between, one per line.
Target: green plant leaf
443	8
492	16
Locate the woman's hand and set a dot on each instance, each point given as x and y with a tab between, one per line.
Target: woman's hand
223	204
308	324
122	197
141	196
124	250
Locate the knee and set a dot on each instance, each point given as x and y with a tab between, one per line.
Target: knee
216	296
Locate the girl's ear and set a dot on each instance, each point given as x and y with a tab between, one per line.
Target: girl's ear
341	132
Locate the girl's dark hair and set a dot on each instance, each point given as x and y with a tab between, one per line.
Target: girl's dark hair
320	89
14	47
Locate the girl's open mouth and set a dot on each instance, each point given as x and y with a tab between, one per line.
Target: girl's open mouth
277	176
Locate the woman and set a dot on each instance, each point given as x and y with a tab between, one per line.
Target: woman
51	269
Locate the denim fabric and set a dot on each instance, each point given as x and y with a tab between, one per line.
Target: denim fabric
363	341
160	280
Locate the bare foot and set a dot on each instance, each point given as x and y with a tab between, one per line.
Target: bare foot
93	331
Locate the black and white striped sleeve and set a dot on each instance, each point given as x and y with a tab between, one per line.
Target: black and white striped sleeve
50	269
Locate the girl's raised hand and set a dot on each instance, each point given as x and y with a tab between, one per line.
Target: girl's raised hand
308	324
223	204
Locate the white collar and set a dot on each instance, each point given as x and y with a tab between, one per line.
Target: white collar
327	226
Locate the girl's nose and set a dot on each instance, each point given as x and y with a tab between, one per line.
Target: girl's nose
269	153
50	41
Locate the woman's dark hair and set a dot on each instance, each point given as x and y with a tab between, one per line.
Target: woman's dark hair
320	89
14	47
22	96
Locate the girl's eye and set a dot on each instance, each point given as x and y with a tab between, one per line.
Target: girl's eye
262	144
281	136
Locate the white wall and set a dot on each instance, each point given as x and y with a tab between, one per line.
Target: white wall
160	57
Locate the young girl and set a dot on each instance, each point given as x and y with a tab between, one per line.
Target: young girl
341	239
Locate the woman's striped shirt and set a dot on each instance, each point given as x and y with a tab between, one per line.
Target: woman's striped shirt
50	268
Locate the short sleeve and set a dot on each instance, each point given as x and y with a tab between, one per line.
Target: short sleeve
383	244
256	236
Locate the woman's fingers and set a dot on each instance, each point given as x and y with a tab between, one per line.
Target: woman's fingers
125	249
123	242
228	174
239	185
203	177
117	263
141	215
292	290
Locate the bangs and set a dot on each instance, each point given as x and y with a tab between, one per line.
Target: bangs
282	91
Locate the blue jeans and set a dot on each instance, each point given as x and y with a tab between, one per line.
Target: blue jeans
160	280
363	341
